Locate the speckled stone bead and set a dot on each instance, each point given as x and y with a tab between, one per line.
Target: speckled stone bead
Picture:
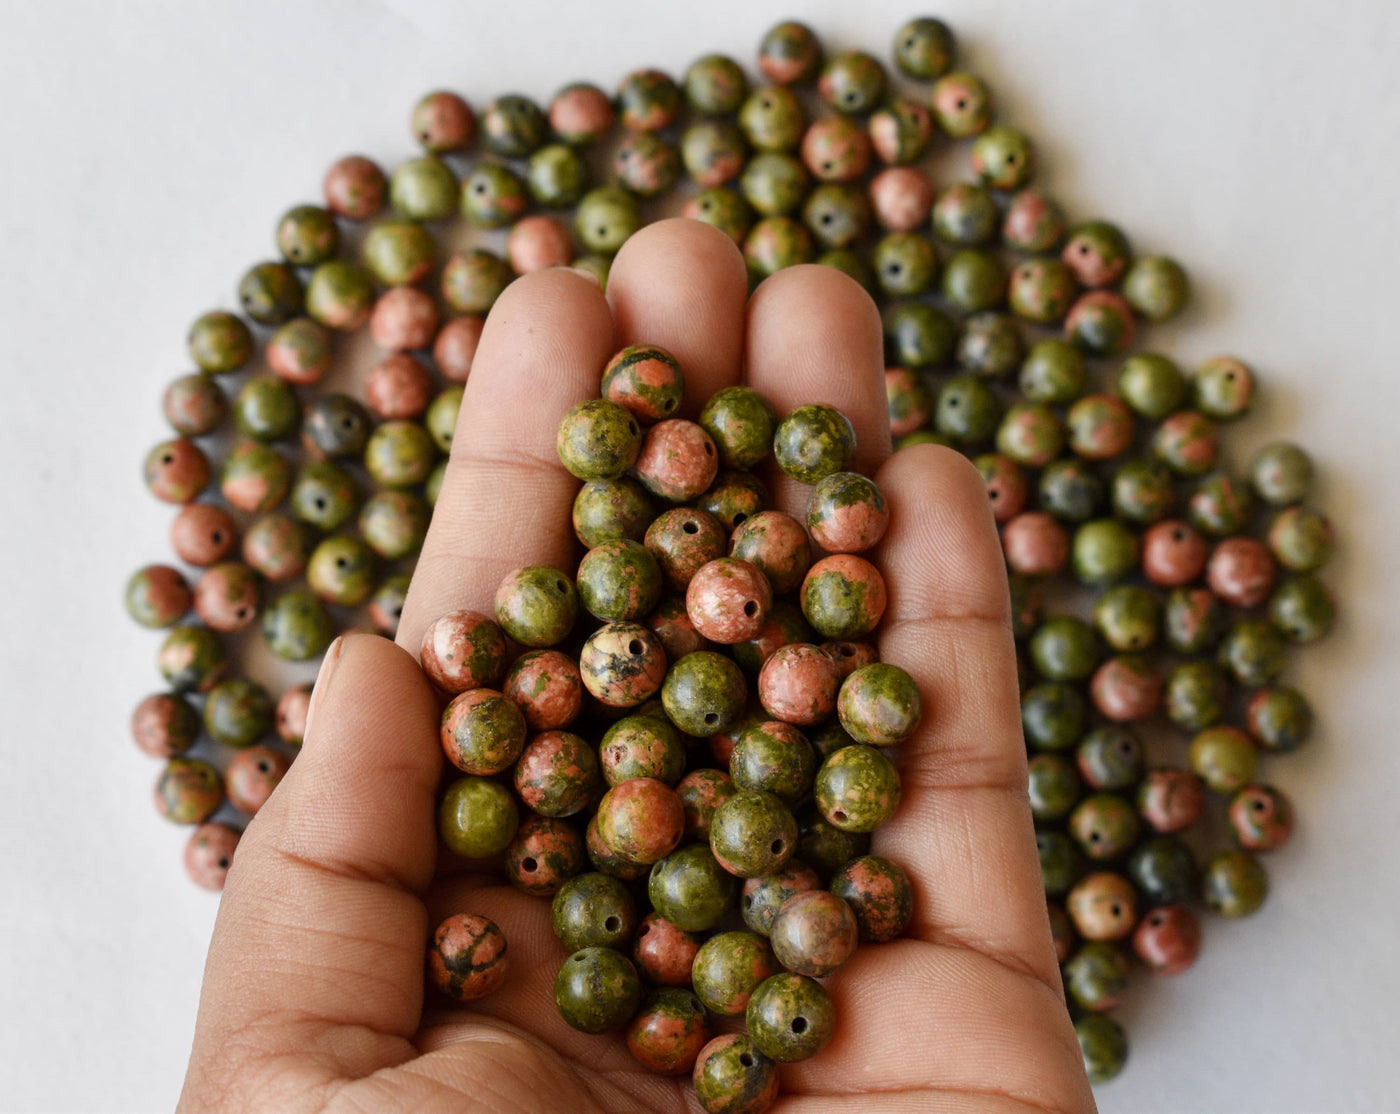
613	510
1195	695
482	731
900	132
619	580
1026	606
641	820
1219	506
191	659
1187	442
237	712
1164	871
763	896
1002	157
673	628
905	263
1052	716
852	82
209	853
1262	818
790	1017
773	757
1110	758
1173	554
537	243
340	295
1069	489
752	833
967	411
1103	552
728	600
468	957
335	426
962	104
814	933
1168	940
605	218
846	513
157	596
1033	222
690	889
918	335
188	791
1128	617
727	969
276	547
1065	648
973	280
603	859
442	121
536	605
1303	609
1171	800
399	253
1105	826
676	460
923	48
1156	287
701	792
798	684
732	1077
1193	620
648	100
270	293
668	1032
1225	758
704	693
1280	473
857	789
341	571
385	604
1098	252
255	477
776	544
1103	1044
546	686
1007	487
219	342
395	523
642	746
324	495
1126	689
1041	290
843	596
1062	933
164	724
1280	718
1053	372
1234	884
1223	388
581	114
1031	434
513	126
1101	323
774	184
194	405
879	894
176	471
1103	906
909	399
880	705
355	188
1300	539
597	990
1100	427
648	164
593	911
1151	384
662	953
251	777
1241	571
473	280
557	773
836	149
1061	861
1096	976
622	664
733	497
1253	651
1035	545
297	627
813	442
1053	785
1142	492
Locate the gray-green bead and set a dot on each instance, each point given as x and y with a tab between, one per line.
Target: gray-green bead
1302	608
1281	473
593	911
790	1017
324	495
605	218
558	176
297	626
266	409
1103	1043
1151	384
704	693
857	789
238	712
270	293
307	235
597	990
399	453
424	189
1053	372
691	890
598	440
1156	287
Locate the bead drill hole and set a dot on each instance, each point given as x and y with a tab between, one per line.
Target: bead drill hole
167	459
529	863
560	586
635	646
223	864
612	924
1157	920
839	815
738	518
709	449
751	608
711	718
262	767
799	1024
1116	909
691	528
746	1059
777	846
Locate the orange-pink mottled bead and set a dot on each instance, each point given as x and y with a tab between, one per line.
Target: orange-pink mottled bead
455	347
398	387
1241	571
1035	544
403	318
538	242
678	461
546	686
467	958
1173	554
203	534
252	775
209	854
728	600
902	198
798	684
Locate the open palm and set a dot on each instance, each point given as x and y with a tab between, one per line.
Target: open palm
314	995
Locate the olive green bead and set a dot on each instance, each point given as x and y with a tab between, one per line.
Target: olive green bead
1281	473
642	746
432	486
782	764
1111	758
772	119
733	1077
1096	976
1195	694
824	847
1062	864
1070	490
1103	1044
297	626
1030	434
399	252
923	49
1002	157
513	126
612	510
238	712
973	280
341	571
752	834
857	789
1128	617
1053	715
774	183
1187	443
194	404
270	293
1104	552
723	209
1193	619
727	969
220	342
1300	539
340	295
1053	372
965	214
255	477
605	218
1142	492
715	85
424	189
962	104
813	442
1302	608
537	605
493	196
473	280
905	264
967	410
1234	884
399	453
558	176
1225	758
790	1017
691	890
619	580
593	911
1254	651
918	335
597	990
1223	388
713	151
477	817
852	82
441	416
1054	786
741	423
648	164
1164	871
307	235
1156	287
1105	826
704	693
1220	505
1280	718
598	440
990	345
266	409
1151	384
395	523
774	243
1065	648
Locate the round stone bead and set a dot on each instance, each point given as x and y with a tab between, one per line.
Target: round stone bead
676	460
385	605
1062	932
879	894
846	513
1173	554
1031	434
270	293
813	442
1300	539
277	547
1234	884
340	295
1103	552
1151	384
1156	287
251	777
442	121
776	544
1041	290
1220	506
1033	222
752	833
557	176
1096	976
1053	372
1195	695
613	510
733	497
790	1017
1100	427
1281	473
1054	786
1026	606
1164	871
1223	388
1241	571
843	596
477	817
467	958
341	571
1105	826
395	523
188	791
1103	1044
732	1077
1262	818
1101	323
597	990
619	580
857	789
772	119
1142	492
664	954
1170	800
297	626
773	757
1098	253
798	684
1280	718
728	600
399	253
1168	940
673	628
473	280
1052	716
740	423
537	243
835	149
1111	758
237	712
1103	906
704	693
1128	617
536	605
646	380
157	596
300	351
1002	157
642	746
513	126
727	969
905	263
1253	651
918	335
605	218
852	82
324	495
923	48
219	342
557	774
648	100
879	705
641	820
789	53
254	477
463	650
355	188
648	164
723	209
581	114
1070	490
482	732
701	792
774	243
900	132
967	411
622	664
209	854
598	440
1035	544
965	214
1007	487
194	405
962	104
291	713
1061	861
164	725
668	1032
1303	609
1225	758
1065	648
763	896
335	426
973	280
191	659
814	933
690	888
547	687
593	911
176	471
1193	620
1126	689
909	399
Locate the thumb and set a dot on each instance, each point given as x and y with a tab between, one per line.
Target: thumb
319	940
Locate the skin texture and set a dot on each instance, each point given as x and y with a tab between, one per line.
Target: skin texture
314	991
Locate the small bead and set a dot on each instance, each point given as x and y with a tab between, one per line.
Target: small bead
355	188
668	1032
157	596
1171	800
192	659
728	967
1234	884
814	933
251	777
879	894
468	958
732	1077
1168	940
164	725
622	664
209	854
597	990
1262	818
1103	906
300	351
226	597
790	1017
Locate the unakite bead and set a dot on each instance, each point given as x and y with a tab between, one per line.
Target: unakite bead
399	252
1234	884
513	126
1187	442
157	596
1225	758
740	422
176	471
905	263
1105	825
1054	786
1104	552
619	580
188	791
965	214
900	132
557	175
266	409
335	425
728	967
1195	695
340	295
399	454
1100	427
1253	651
605	218
772	119
477	817
790	1017
164	725
482	731
354	188
1061	862
774	243
723	209
594	911
704	693
1302	608
611	510
598	440
1300	539
1103	1043
918	335
1070	490
297	626
967	410
973	280
238	712
732	1077
715	85
1052	716
255	477
879	705
424	189
1033	222
1193	620
1053	372
1279	718
1111	758
990	345
962	104
581	114
473	280
324	495
1262	818
857	789
1281	473
1156	287
277	547
852	82
219	342
1223	388
192	659
1002	157
1096	976
690	889
752	833
385	605
1164	871
879	894
1142	492
270	293
640	746
341	571
774	183
597	990
668	1031
536	605
814	441
923	48
648	164
773	757
1065	648
1101	323
1030	434
1151	384
194	405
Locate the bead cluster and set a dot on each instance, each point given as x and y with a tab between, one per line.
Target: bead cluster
1009	335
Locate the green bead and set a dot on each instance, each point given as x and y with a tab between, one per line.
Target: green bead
1281	473
341	571
1065	648
752	834
1156	287
1129	617
266	409
923	49
1280	718
597	990
691	890
962	104
1194	620
733	1077
774	183
1254	652
918	335
1164	871
900	131
967	411
852	82
399	252
1302	608
727	968
857	789
1101	323
704	693
1220	506
965	214
605	218
1301	540
781	763
494	196
715	85
424	189
1062	864
1187	443
537	605
973	280
789	53
1002	157
1103	1043
477	817
619	580
612	510
1070	490
188	791
441	416
270	293
1223	388
713	151
277	547
1030	434
297	626
598	440
642	746
399	454
1195	694
990	345
824	847
1104	552
1053	372
905	264
790	1017
648	164
194	404
879	704
340	295
1105	826
395	523
1034	222
220	342
1054	786
772	119
723	209
307	235
741	423
255	477
1052	716
813	442
1111	758
558	176
648	100
513	126
1096	976
1234	884
593	911
1151	384
238	712
473	280
1143	492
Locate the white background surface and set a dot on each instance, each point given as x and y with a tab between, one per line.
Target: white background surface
148	149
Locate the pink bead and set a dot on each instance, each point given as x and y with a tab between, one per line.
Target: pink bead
467	959
538	242
902	198
455	347
581	110
1173	554
203	534
209	854
251	777
728	600
226	596
641	820
463	650
1171	799
293	706
1126	689
1035	544
664	953
1241	571
678	460
404	317
354	188
398	387
1168	939
798	684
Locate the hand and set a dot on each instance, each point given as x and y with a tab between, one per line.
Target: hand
314	994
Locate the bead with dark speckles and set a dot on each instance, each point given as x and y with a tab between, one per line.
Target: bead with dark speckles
1052	715
1168	940
799	684
252	775
668	1032
237	712
194	405
1279	718
676	460
814	933
857	789
728	967
774	757
610	510
276	547
622	664
763	896
814	441
663	954
880	705
1103	1043
270	293
536	605
467	958
1110	758
482	731
1171	800
790	1017
843	596
597	990
879	894
752	833
1303	609
704	693
1281	473
732	1077
188	791
164	725
619	580
472	281
1096	976
192	659
557	773
1234	884
641	820
593	911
